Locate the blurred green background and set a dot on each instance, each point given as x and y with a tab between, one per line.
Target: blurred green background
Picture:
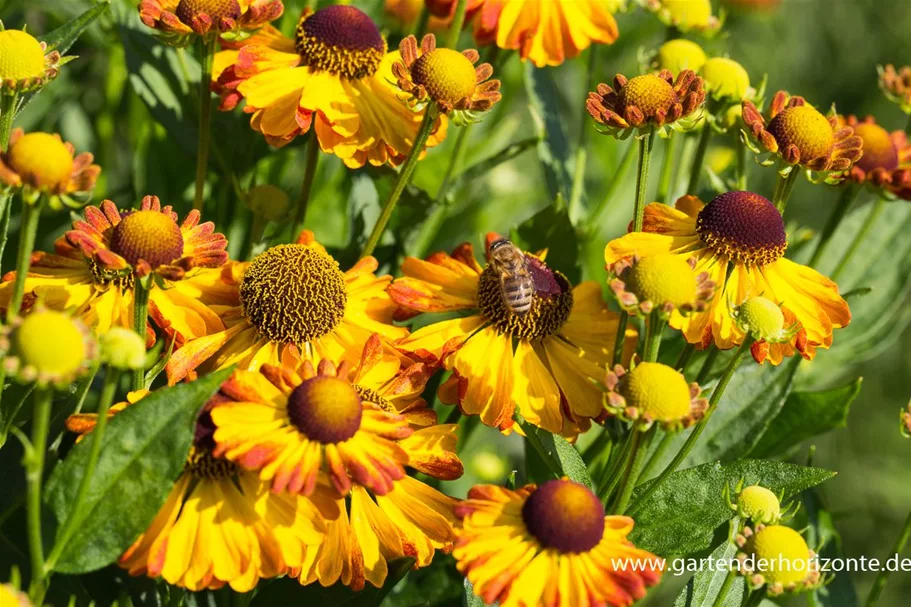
127	101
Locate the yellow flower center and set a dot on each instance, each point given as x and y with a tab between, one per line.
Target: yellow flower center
725	78
649	93
743	226
42	161
202	465
446	74
21	56
216	9
662	278
761	317
564	515
804	127
51	342
552	302
147	235
680	54
879	150
342	40
326	409
293	293
658	391
782	555
689	13
268	201
759	504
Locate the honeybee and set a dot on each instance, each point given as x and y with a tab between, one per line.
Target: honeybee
517	285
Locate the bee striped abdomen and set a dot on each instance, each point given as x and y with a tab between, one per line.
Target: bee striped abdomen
518	293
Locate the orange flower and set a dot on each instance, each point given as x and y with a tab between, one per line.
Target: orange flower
886	160
182	18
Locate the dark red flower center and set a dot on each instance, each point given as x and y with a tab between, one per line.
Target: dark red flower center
564	515
743	226
342	40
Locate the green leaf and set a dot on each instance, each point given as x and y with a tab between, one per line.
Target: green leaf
805	415
551	228
562	459
682	515
62	38
702	589
482	167
470	598
553	147
840	592
143	451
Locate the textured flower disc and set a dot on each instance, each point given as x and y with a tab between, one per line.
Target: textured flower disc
293	293
564	515
658	391
202	465
662	278
649	93
147	235
325	409
879	150
50	342
805	128
763	318
21	56
743	226
551	305
446	74
680	54
759	504
783	551
216	9
41	160
725	78
342	40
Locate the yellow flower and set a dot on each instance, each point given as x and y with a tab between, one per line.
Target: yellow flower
685	15
42	164
178	20
561	344
745	231
759	504
10	596
680	54
47	347
97	263
289	300
665	283
886	161
335	76
778	558
647	101
25	63
800	135
896	85
446	78
725	79
653	393
549	545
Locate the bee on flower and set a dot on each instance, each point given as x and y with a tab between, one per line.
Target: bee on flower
27	64
180	20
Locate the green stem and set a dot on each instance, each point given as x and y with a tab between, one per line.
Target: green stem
455	28
755	598
697	431
638	451
108	392
420	24
707	365
404	177
725	588
27	232
872	216
254	237
34	473
645	155
141	290
883	576
908	126
610	476
303	201
620	340
653	330
656	457
667	169
578	186
683	360
783	189
206	54
617	180
699	159
838	214
8	104
741	166
453	416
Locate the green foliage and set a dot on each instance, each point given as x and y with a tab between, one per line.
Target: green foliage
553	146
62	38
559	458
702	589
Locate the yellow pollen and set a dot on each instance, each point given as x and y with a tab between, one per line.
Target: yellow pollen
879	150
689	13
804	127
51	342
680	54
21	56
783	553
216	9
649	93
759	504
662	278
42	161
658	391
150	236
447	75
202	465
725	78
326	409
761	317
341	40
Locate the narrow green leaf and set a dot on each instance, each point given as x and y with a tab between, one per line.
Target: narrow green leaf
62	38
561	456
142	453
805	415
681	517
702	589
482	167
553	147
471	599
552	229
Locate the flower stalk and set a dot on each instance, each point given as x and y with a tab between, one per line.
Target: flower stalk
667	169
884	574
141	293
638	451
783	189
838	214
27	233
303	201
699	159
653	332
206	56
458	20
645	154
34	473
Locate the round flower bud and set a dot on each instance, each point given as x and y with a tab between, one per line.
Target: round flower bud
268	201
761	317
663	278
782	556
759	504
123	349
680	54
21	56
489	467
42	161
46	346
725	79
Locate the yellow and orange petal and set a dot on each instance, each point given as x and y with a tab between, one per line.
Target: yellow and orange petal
549	545
43	163
801	135
886	159
896	85
178	19
25	63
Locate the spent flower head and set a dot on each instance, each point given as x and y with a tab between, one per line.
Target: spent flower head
885	165
653	393
896	85
180	20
